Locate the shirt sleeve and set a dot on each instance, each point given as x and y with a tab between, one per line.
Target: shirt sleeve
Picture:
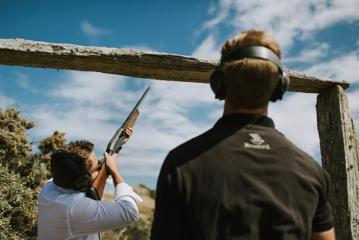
323	219
124	192
88	216
169	215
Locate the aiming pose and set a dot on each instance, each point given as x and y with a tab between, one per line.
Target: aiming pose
65	212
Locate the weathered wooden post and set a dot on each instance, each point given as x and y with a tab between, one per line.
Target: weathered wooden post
340	157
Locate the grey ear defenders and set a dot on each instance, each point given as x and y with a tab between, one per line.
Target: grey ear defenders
260	52
83	182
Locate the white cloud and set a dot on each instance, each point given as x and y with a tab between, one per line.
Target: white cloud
208	49
77	121
310	55
87	105
353	98
93	31
168	113
295	116
93	88
224	6
285	20
344	67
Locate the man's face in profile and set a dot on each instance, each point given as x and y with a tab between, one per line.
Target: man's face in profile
95	165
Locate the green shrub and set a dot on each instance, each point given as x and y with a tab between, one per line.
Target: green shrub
21	175
14	143
18	207
50	144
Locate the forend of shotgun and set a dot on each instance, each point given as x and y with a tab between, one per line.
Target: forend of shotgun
118	139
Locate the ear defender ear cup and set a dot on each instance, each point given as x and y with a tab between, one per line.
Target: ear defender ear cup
260	52
216	83
83	182
281	88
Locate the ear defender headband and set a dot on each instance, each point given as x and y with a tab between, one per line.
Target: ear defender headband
259	52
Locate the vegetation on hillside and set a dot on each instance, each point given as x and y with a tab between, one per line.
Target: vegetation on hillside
21	177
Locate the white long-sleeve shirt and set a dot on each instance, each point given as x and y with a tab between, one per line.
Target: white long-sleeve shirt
68	214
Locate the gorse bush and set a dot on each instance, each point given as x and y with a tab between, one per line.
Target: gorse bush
50	144
21	175
18	207
14	143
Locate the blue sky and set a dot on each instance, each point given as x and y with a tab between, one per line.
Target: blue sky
317	37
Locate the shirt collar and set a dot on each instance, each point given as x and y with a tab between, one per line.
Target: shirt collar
65	190
242	119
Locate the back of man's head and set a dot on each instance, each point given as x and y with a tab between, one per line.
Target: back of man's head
249	82
70	162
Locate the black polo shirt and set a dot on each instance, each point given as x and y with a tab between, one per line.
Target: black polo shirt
242	179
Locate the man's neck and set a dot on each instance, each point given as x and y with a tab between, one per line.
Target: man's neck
229	109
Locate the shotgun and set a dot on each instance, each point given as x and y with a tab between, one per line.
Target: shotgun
117	141
114	146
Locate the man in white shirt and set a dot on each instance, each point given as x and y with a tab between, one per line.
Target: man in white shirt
64	210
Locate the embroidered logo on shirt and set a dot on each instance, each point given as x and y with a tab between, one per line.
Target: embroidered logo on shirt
257	142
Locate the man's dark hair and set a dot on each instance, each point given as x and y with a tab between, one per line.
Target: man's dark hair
70	162
81	148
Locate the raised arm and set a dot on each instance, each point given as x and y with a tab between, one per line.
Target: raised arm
109	167
91	216
326	235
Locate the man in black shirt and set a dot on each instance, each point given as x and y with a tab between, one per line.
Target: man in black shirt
242	179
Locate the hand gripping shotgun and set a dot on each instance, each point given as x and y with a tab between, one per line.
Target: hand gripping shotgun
114	146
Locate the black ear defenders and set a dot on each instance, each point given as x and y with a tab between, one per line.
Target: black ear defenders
83	182
66	174
260	52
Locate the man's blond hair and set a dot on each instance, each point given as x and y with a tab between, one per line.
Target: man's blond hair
249	82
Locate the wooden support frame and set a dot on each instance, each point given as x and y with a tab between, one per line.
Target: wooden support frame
338	139
130	62
340	157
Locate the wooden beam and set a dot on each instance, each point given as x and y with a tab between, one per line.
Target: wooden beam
340	157
130	62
